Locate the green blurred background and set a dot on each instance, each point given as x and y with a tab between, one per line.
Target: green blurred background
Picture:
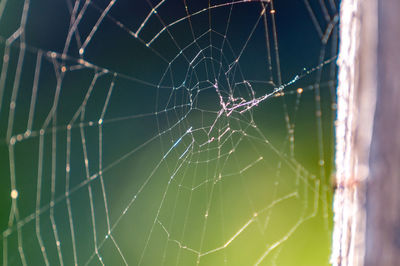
166	179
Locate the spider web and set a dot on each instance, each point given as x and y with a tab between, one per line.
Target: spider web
167	132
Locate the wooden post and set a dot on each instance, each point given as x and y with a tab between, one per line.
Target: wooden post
367	198
356	106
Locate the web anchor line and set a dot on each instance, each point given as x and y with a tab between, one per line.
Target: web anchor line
247	105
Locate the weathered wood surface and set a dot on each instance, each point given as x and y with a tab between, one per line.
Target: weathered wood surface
356	106
367	199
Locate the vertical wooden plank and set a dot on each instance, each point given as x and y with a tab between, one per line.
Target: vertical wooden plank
356	106
383	187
